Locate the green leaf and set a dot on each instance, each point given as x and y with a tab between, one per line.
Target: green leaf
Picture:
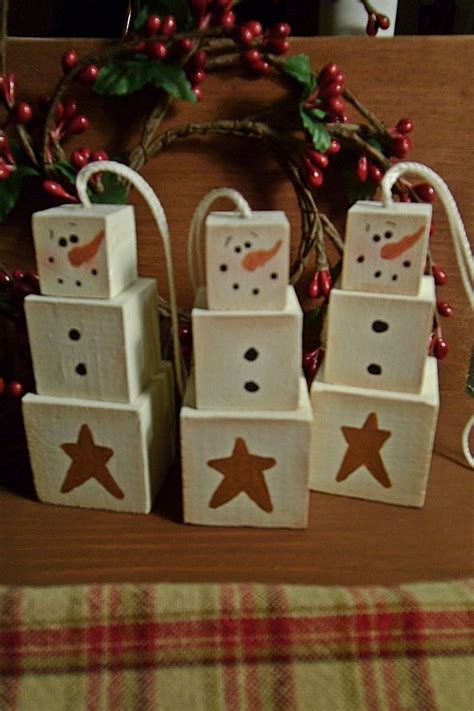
64	168
125	76
178	8
299	68
10	189
114	193
316	129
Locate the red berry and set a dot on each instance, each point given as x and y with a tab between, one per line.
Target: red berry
401	146
32	279
14	389
372	25
168	25
254	26
383	21
336	105
281	29
197	77
444	308
314	175
88	75
99	155
198	60
2	386
334	147
313	287
69	60
252	56
5	280
439	275
198	93
425	192
325	281
440	348
7	87
69	110
329	71
327	91
318	159
375	173
157	50
86	151
278	46
244	36
362	170
261	67
182	47
79	159
18	274
152	25
405	125
77	125
23	112
5	170
226	20
58	191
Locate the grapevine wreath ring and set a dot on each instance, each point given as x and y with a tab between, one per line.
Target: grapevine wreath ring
172	46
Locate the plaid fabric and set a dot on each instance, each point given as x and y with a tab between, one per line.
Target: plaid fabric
237	648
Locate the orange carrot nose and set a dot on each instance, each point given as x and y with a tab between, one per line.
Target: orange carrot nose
259	257
392	251
85	252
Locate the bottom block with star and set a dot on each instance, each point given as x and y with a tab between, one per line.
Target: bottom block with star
246	468
374	444
102	455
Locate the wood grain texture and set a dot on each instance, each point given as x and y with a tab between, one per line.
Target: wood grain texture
347	541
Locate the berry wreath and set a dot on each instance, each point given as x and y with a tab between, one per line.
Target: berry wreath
172	45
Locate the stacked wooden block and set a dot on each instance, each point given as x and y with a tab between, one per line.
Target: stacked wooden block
101	428
375	401
246	419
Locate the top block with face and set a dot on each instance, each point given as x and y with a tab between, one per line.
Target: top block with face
247	260
385	248
85	252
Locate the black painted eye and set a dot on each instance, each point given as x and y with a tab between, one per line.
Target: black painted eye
377	274
407	263
74	239
235	286
63	242
51	260
223	267
247	245
94	272
78	283
60	281
255	291
273	275
395	277
376	238
237	249
361	259
388	235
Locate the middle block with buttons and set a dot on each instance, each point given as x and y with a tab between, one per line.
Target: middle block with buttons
240	355
95	348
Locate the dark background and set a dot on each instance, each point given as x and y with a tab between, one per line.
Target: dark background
105	18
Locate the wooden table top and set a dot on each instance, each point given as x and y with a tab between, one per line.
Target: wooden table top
348	541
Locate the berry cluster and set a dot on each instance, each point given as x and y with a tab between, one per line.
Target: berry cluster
255	43
213	13
376	21
311	363
320	284
7	159
328	94
87	75
19	112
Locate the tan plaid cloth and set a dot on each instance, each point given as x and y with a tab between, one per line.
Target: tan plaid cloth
237	647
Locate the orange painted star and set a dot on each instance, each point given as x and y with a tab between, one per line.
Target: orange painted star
243	473
88	462
364	448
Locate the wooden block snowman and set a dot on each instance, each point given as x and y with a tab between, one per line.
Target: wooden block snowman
246	418
375	401
100	428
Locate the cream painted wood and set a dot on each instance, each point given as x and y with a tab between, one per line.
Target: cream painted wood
139	438
404	456
247	260
85	252
247	360
379	341
281	438
385	247
93	348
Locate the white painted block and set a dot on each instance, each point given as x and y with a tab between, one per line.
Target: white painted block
247	260
385	248
374	444
92	348
85	252
247	360
246	469
379	341
102	455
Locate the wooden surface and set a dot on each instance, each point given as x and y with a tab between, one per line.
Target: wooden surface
348	541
